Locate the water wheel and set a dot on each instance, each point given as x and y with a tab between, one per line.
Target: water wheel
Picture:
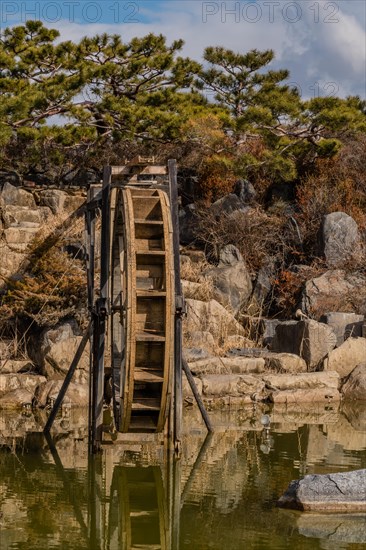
142	307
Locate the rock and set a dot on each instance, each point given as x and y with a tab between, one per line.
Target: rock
269	331
302	381
195	354
335	290
228	365
55	349
19	238
345	358
340	238
187	224
262	288
73	202
12	382
11	261
12	366
77	395
247	351
53	198
355	386
235	343
335	528
23	216
344	325
186	388
234	385
229	255
201	339
226	205
245	191
308	339
311	395
16	399
339	492
285	362
16	196
231	280
212	317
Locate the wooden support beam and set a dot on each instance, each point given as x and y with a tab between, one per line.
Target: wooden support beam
179	308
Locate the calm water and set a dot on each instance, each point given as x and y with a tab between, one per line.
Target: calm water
220	495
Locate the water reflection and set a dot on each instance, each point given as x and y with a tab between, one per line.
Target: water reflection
221	494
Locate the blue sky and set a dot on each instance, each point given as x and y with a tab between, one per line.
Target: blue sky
322	43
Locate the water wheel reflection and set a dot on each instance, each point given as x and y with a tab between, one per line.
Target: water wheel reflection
138	514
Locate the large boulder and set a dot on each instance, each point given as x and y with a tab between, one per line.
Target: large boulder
21	216
301	381
211	317
233	385
355	386
53	199
345	358
339	492
340	238
335	290
56	348
231	279
307	338
228	365
344	325
11	195
285	362
227	204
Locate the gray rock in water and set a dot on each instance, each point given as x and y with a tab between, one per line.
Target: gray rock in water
349	528
339	492
340	238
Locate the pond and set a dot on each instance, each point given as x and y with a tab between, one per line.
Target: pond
219	495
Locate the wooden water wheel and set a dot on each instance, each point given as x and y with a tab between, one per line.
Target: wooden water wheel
142	299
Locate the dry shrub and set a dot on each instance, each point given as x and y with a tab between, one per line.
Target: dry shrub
336	185
256	234
54	285
193	271
216	178
288	286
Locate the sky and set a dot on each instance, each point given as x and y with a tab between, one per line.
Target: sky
322	43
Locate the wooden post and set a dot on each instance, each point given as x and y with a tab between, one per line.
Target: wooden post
179	308
197	396
100	323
